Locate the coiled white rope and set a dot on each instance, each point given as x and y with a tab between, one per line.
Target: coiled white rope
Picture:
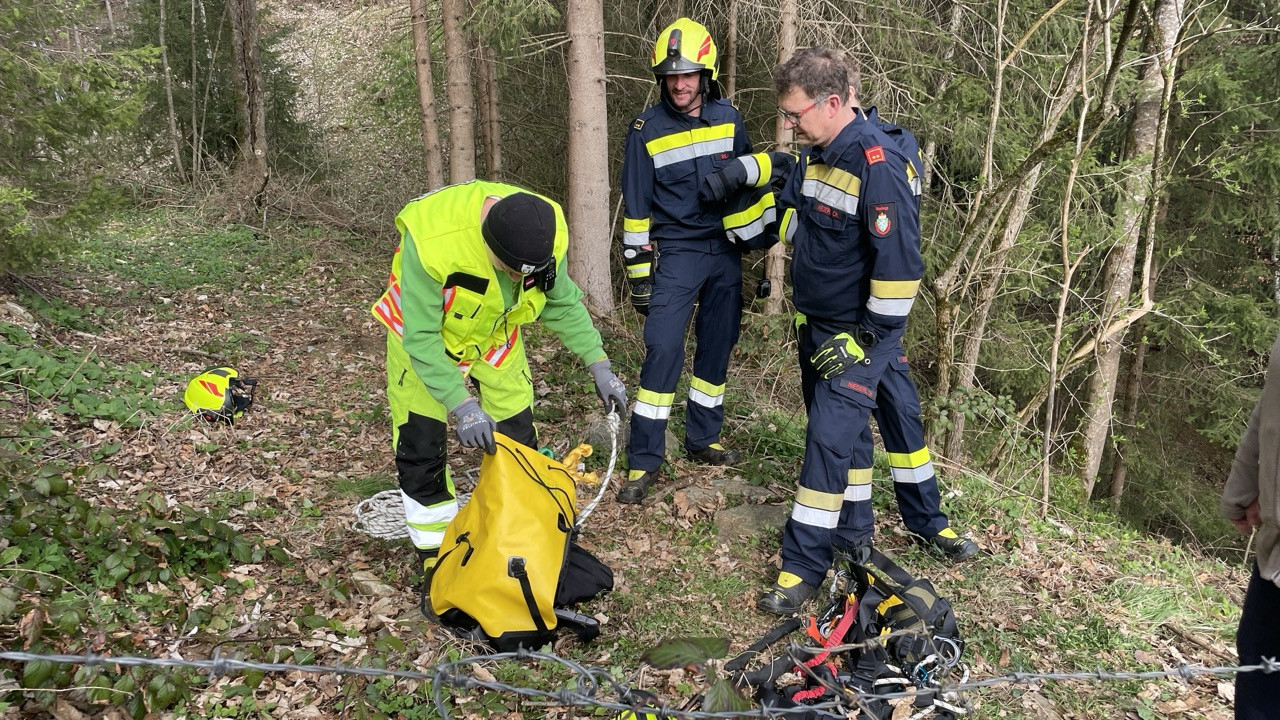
382	515
613	419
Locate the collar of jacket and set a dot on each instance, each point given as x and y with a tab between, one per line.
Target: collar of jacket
846	137
712	112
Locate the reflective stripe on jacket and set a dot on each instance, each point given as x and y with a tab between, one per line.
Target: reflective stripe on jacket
668	154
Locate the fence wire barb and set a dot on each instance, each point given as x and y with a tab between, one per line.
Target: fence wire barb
589	681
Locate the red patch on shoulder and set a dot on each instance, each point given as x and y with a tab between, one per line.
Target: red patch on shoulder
875	155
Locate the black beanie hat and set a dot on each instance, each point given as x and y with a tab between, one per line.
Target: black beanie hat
521	230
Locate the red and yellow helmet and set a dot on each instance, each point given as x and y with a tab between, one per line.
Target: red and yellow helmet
685	46
219	394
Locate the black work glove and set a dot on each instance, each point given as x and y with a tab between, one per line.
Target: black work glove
641	292
719	185
839	353
475	427
639	263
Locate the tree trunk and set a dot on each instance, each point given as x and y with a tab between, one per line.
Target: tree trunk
168	95
945	284
426	96
1275	262
111	20
487	85
994	272
252	174
1129	416
1135	191
730	72
948	52
457	76
775	260
195	77
588	146
197	130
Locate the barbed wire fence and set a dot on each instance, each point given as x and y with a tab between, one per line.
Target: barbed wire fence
596	688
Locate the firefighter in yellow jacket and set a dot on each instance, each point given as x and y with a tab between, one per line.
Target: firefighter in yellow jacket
476	262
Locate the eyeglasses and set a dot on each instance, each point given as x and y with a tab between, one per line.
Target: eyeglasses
793	117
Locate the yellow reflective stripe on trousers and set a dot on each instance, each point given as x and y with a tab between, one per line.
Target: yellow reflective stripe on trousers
912	468
426	524
859	487
654	405
819	500
706	394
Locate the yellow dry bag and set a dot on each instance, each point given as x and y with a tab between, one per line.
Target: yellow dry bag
502	555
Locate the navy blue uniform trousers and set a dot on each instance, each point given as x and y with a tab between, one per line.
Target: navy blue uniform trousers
686	274
833	501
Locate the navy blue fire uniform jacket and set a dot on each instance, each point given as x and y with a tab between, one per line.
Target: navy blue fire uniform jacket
668	155
852	217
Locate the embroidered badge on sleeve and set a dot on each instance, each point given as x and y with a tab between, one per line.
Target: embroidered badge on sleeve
884	219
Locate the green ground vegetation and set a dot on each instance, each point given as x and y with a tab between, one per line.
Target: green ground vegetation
129	529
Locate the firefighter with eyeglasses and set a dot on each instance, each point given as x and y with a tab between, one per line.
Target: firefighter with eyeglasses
682	250
852	217
476	262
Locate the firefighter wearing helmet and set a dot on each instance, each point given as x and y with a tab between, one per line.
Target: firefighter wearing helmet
678	254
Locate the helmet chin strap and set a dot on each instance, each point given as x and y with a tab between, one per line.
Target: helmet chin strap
704	93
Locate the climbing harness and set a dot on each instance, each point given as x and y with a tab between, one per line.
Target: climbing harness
884	632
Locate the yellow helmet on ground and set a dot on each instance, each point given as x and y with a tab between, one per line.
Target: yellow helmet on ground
685	46
219	394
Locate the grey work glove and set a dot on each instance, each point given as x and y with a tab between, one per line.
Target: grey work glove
475	427
610	389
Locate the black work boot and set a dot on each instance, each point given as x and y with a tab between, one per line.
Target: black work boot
714	454
426	565
952	546
787	595
637	486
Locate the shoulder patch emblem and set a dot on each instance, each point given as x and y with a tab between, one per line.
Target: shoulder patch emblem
639	123
884	219
875	155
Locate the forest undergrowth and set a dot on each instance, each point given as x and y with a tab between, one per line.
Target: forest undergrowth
128	527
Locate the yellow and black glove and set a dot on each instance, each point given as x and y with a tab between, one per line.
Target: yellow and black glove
639	262
839	353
